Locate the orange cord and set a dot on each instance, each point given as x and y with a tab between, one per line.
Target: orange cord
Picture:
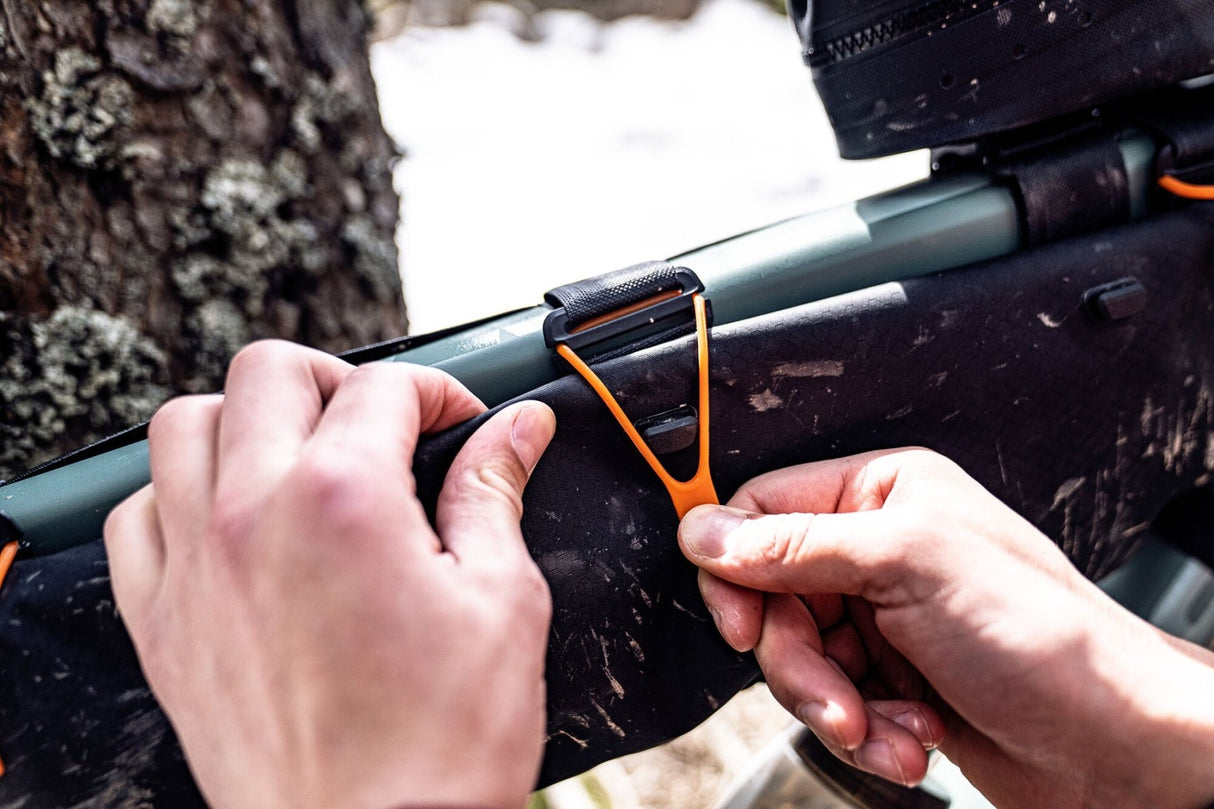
7	554
686	494
1186	190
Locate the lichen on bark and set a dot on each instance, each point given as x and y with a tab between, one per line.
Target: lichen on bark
204	173
71	376
80	114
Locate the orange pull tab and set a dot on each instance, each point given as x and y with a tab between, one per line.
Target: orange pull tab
686	494
7	554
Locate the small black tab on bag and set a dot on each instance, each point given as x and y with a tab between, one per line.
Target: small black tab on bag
1118	300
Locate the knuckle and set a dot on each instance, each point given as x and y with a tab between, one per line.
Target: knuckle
263	352
228	528
931	463
787	543
178	412
374	373
116	523
531	599
334	487
500	478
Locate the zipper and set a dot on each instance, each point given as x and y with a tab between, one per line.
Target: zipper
927	16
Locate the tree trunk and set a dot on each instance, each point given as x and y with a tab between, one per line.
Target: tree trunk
177	178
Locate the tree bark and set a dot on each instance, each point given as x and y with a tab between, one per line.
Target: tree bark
178	178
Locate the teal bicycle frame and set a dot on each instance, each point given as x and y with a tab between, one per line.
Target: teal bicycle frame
928	227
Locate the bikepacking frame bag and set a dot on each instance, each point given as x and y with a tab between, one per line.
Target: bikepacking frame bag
1058	346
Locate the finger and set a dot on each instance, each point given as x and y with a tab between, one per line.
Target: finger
827	608
273	399
182	451
887	664
481	502
804	680
375	416
855	483
737	611
890	750
840	484
856	554
921	719
135	548
842	644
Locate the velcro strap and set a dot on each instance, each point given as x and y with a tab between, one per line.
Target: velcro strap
594	297
1186	125
1070	187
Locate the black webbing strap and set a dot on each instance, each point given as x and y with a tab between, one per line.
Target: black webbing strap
1185	125
1072	186
603	294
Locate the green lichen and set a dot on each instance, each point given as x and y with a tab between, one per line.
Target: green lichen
241	236
321	105
238	189
374	256
81	374
265	71
243	203
177	18
82	110
219	329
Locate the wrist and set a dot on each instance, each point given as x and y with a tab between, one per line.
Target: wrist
1168	734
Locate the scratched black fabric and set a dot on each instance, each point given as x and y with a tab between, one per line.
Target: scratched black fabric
1085	427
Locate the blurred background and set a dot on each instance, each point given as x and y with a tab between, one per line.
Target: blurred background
543	145
546	144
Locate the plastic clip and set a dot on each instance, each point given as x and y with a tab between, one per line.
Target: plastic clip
686	494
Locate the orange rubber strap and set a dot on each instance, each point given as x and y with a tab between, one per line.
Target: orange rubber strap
686	494
1187	190
7	554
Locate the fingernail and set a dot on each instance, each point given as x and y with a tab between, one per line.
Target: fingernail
705	529
823	719
914	721
877	756
532	430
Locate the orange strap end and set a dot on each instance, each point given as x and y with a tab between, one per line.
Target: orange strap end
7	554
1186	190
686	494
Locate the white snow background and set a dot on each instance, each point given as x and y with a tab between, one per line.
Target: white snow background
532	164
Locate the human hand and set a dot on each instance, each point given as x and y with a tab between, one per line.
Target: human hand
314	642
907	608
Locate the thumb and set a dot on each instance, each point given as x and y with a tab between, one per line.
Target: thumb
481	503
848	553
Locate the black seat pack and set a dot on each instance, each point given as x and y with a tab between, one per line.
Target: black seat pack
898	75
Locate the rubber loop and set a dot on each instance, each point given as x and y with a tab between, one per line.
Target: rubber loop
685	494
1187	190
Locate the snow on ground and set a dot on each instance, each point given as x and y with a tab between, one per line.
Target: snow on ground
529	165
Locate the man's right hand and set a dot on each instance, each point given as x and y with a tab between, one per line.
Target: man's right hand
895	605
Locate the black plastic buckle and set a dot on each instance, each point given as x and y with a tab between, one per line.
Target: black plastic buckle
632	327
